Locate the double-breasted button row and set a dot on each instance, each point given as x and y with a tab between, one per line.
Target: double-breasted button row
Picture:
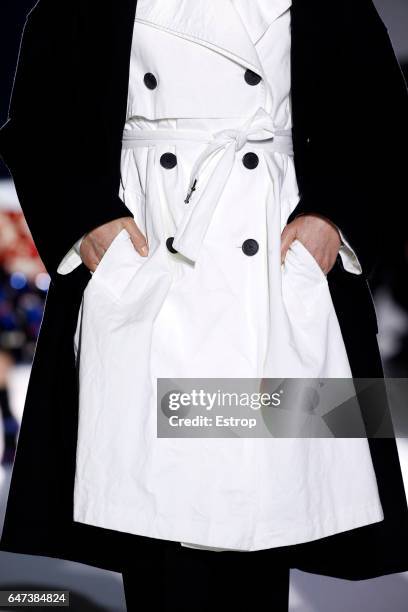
251	77
250	160
249	246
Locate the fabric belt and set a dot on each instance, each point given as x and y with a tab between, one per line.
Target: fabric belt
258	130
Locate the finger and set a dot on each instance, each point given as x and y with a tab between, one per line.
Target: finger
325	261
319	255
91	263
90	253
330	265
287	237
138	239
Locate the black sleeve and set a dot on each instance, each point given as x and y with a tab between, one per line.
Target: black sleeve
64	187
354	161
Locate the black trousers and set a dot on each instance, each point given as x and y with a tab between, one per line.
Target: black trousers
182	579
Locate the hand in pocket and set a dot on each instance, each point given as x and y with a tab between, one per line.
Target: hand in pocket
318	235
97	241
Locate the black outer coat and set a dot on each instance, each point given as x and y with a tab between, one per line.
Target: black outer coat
350	116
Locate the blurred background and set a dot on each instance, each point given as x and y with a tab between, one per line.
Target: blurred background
23	288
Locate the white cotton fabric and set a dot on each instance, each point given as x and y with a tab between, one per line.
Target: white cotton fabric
222	314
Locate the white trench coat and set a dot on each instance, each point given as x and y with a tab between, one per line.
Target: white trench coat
208	89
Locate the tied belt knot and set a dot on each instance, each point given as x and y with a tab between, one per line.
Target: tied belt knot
258	130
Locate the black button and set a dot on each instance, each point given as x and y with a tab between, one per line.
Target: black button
250	246
169	245
168	160
250	160
150	80
252	78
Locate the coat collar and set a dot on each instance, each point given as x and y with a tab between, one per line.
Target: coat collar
217	24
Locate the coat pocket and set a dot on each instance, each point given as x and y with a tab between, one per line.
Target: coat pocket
118	265
305	259
304	287
313	331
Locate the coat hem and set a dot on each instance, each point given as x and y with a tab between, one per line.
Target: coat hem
181	531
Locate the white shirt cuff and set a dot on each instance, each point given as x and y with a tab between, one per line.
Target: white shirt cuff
348	256
72	259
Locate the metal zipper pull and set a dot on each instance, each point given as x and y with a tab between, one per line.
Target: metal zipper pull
190	192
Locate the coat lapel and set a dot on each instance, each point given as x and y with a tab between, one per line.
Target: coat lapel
258	16
215	24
